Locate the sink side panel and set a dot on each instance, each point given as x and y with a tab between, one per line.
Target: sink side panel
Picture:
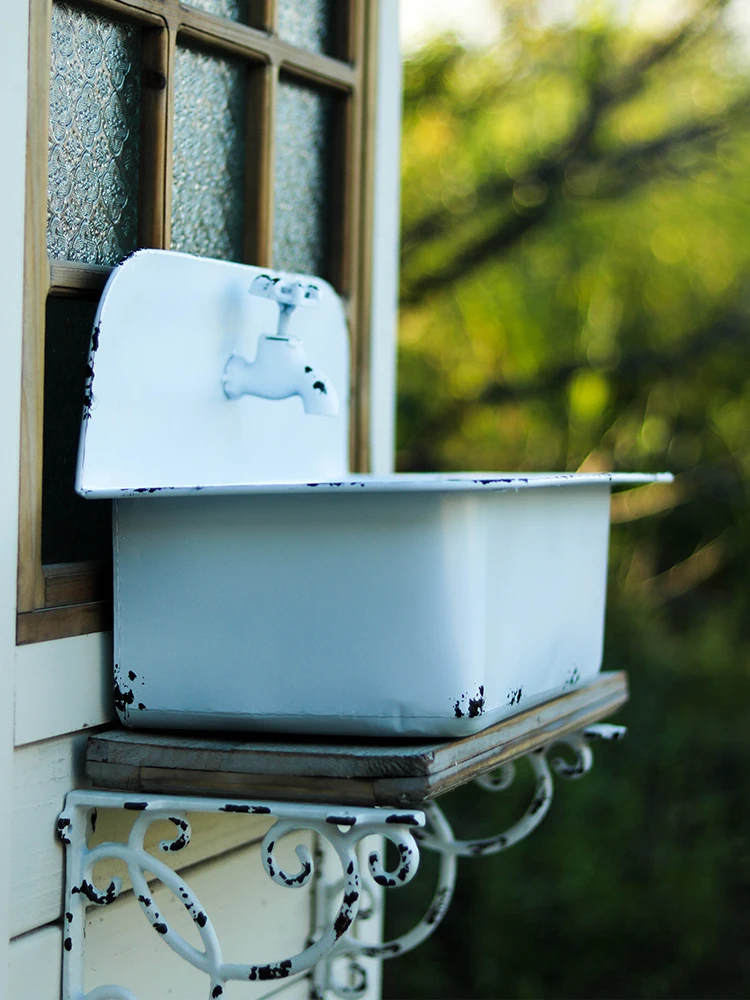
547	550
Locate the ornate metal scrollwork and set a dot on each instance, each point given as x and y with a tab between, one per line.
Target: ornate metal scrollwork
343	829
341	896
438	836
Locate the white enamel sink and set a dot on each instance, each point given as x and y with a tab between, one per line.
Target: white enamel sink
261	586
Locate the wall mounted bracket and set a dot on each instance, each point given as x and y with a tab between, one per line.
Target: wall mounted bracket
333	954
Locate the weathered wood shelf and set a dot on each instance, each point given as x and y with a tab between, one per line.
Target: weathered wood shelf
372	773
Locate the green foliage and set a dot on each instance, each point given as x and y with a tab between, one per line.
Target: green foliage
575	293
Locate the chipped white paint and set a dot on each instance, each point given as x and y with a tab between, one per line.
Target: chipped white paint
122	947
157	413
343	829
43	774
458	607
460	598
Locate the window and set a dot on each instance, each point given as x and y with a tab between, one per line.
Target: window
225	128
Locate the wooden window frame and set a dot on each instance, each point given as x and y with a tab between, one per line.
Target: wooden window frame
67	599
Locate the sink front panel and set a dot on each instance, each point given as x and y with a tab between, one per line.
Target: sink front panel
371	614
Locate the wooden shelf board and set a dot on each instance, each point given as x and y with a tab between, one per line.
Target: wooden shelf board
366	773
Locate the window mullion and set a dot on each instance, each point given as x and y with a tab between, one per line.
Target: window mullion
156	89
168	150
260	151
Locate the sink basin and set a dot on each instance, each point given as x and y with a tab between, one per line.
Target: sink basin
260	586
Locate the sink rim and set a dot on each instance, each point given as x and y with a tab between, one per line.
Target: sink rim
397	482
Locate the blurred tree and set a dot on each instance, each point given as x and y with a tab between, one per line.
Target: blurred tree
575	289
576	294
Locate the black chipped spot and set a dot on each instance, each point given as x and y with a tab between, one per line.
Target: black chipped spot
67	944
135	805
342	924
201	919
260	810
132	675
232	808
217	991
409	819
573	678
298	879
320	386
308	369
376	951
438	906
69	916
351	898
341	820
385	881
91	893
146	900
350	867
476	705
267	972
122	697
536	805
160	928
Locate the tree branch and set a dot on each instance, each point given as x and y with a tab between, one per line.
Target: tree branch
550	170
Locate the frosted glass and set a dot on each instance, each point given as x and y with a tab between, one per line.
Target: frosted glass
308	24
302	189
209	156
92	191
235	10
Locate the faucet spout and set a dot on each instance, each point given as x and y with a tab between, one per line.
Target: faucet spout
281	369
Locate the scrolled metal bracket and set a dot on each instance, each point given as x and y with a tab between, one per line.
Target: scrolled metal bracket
438	836
339	897
343	829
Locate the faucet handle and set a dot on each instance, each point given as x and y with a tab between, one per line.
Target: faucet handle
286	293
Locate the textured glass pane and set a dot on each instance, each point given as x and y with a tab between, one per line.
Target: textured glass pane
302	189
92	193
308	23
235	10
209	156
72	528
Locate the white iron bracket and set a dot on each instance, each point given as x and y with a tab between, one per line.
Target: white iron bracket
438	836
339	894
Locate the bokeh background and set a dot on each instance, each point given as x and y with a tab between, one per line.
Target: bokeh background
575	294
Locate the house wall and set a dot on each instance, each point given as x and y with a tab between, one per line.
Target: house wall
52	693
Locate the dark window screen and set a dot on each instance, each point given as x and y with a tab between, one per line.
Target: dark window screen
73	529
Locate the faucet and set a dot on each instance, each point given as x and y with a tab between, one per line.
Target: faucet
281	368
